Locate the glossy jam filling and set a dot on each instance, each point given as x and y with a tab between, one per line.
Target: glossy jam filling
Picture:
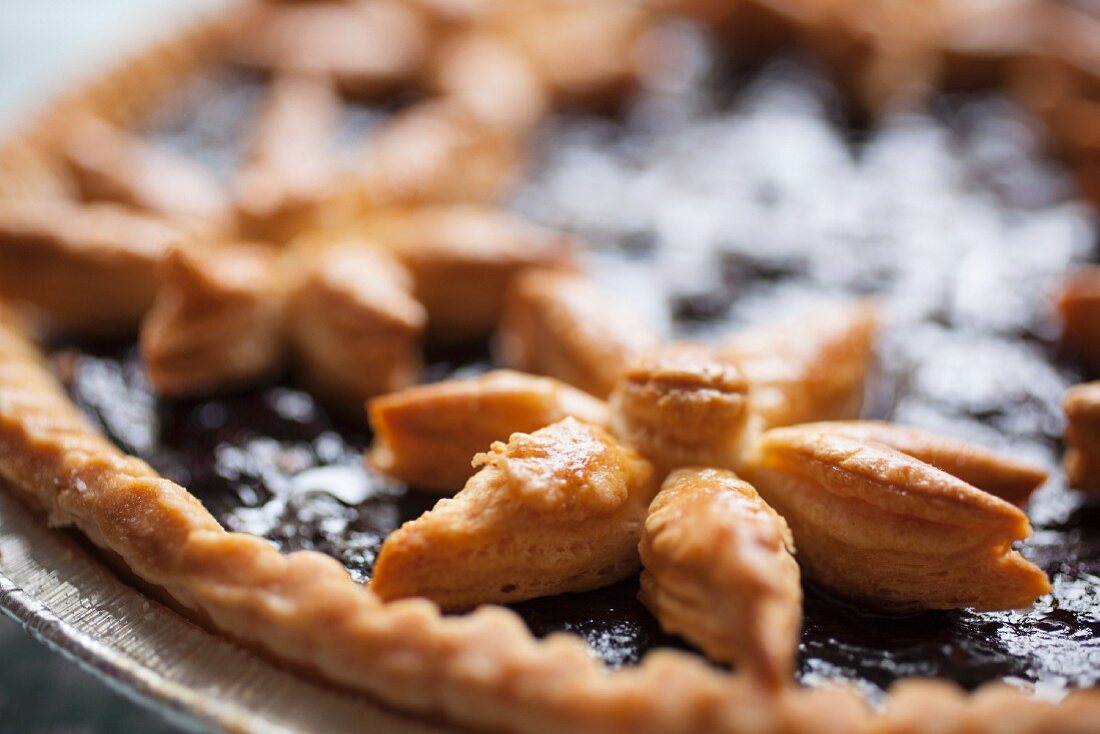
709	208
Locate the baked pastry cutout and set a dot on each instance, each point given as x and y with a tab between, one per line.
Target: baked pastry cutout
583	52
289	157
434	151
1082	461
485	669
683	405
111	164
491	80
989	471
218	320
718	570
562	325
875	524
550	512
90	269
367	47
810	369
1079	310
427	435
355	328
464	257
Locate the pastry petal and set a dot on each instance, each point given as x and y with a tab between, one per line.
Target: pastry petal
987	470
218	320
585	53
1082	461
681	405
808	370
464	257
435	151
562	325
719	572
876	524
1079	309
554	511
355	327
369	47
289	157
492	81
111	164
92	269
427	435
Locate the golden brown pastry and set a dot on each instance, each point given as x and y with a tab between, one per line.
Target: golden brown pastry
979	40
288	161
463	258
557	510
810	369
584	52
355	328
218	320
435	151
562	325
490	80
875	524
367	46
1079	309
1082	462
883	51
681	405
111	164
91	269
427	435
998	474
719	572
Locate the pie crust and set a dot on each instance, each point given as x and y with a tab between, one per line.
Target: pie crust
484	669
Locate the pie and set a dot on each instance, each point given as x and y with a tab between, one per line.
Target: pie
692	387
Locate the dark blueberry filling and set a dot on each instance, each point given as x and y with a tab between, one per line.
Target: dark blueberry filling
709	210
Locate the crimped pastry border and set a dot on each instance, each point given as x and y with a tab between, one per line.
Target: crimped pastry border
30	161
484	669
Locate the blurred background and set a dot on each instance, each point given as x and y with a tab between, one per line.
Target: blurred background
46	46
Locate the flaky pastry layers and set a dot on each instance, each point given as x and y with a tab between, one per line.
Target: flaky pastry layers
719	571
682	404
562	325
808	369
218	320
355	328
484	669
557	510
463	259
989	471
873	523
427	435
